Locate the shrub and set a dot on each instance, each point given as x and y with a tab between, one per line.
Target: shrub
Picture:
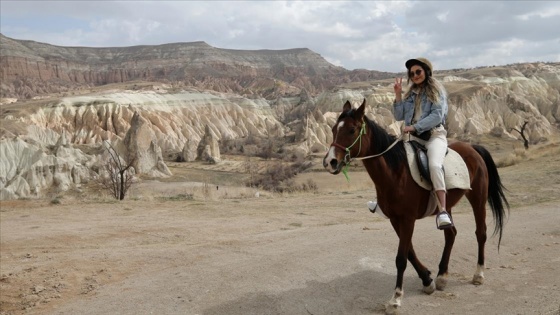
515	157
179	197
279	178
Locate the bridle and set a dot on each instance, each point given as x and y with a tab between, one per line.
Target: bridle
348	158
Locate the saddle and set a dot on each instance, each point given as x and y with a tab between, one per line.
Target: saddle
421	157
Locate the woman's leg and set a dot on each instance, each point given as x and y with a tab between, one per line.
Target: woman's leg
437	148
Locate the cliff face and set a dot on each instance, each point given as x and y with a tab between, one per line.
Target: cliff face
29	69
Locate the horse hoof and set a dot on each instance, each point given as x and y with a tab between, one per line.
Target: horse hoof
391	309
441	282
429	289
478	280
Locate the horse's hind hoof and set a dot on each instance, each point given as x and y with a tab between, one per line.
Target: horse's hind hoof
391	309
478	280
441	282
478	277
429	289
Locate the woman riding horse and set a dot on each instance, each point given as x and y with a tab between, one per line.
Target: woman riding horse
424	110
403	201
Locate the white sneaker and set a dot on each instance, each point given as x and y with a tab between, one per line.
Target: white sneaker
443	220
372	206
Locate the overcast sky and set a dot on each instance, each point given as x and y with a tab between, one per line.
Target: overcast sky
374	35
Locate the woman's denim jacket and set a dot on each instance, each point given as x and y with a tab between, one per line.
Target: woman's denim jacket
433	114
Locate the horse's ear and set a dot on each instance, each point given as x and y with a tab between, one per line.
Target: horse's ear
347	106
361	110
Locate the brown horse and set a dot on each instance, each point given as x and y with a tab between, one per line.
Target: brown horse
403	201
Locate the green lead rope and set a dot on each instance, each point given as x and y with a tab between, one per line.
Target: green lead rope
345	168
345	172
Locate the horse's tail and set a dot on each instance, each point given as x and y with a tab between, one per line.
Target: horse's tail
496	197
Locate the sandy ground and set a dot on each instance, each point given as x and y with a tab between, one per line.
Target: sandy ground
160	252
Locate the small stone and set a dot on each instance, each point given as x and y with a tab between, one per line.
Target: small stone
38	288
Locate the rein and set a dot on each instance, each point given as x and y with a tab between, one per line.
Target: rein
399	138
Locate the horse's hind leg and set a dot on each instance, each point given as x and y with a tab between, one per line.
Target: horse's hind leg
478	203
450	233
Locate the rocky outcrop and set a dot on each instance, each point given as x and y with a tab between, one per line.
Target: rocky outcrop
141	149
208	149
30	169
189	152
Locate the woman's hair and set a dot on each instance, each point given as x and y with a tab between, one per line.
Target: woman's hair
433	88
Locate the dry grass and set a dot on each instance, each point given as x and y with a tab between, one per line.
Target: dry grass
513	158
534	178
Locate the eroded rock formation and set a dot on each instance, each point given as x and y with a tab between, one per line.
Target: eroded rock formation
42	145
29	168
140	148
208	149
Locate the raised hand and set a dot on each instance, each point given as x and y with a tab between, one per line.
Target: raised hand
398	89
398	86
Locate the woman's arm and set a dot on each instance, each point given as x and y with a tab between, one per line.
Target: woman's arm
434	118
398	110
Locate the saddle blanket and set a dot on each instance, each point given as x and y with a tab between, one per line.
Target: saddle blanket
456	172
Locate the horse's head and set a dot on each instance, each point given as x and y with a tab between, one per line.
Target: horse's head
347	138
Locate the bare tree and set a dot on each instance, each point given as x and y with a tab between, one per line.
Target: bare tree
120	177
522	133
250	167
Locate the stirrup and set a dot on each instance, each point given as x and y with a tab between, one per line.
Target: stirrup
443	220
372	206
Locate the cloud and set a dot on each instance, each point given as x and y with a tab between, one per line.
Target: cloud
468	23
353	34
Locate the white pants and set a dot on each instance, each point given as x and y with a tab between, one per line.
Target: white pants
437	147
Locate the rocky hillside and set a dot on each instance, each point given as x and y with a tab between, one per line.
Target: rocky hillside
29	69
266	103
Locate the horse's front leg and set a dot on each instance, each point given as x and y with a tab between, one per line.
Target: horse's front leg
404	230
423	273
441	280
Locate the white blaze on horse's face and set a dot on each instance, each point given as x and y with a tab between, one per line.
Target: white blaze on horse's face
328	158
331	155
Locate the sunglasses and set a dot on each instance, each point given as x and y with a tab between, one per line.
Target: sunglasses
412	74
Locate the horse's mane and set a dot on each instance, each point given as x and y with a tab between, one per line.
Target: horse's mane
381	140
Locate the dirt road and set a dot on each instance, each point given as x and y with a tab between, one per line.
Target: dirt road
298	254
